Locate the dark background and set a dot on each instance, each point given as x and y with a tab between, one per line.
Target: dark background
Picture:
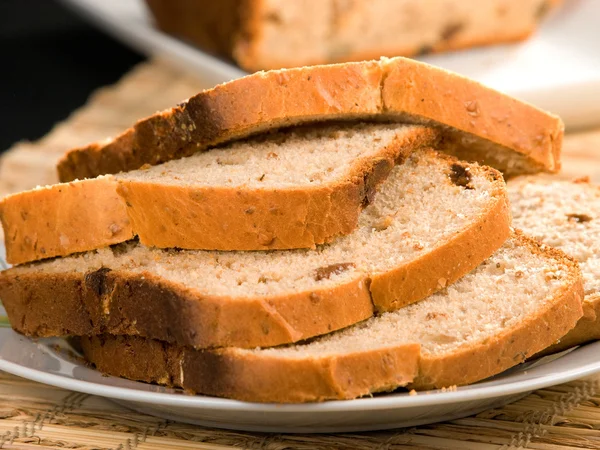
50	62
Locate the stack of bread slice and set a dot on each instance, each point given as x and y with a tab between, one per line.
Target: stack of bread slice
299	235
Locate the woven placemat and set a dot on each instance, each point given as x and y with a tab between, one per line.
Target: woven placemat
33	415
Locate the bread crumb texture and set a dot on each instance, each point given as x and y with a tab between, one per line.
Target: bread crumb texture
417	209
295	158
498	296
562	214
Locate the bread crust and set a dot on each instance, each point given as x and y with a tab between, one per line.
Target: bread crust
586	330
249	105
370	89
253	63
224	373
62	219
105	301
513	345
89	214
249	376
470	109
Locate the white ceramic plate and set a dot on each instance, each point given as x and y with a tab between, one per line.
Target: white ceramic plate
558	69
41	361
51	361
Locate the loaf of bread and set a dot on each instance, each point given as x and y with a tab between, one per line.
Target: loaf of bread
565	215
293	189
478	123
516	303
271	34
433	220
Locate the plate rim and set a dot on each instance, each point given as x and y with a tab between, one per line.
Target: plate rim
384	402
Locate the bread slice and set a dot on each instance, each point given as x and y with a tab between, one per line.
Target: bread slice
479	124
271	34
565	215
434	219
513	305
294	189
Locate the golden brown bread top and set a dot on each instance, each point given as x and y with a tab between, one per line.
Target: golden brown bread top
480	123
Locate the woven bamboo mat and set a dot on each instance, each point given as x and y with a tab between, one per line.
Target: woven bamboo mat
38	416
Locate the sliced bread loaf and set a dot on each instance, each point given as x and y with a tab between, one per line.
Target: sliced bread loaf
479	123
514	304
434	220
565	215
294	189
270	34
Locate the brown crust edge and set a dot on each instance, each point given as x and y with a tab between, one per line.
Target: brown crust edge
225	373
105	301
586	330
249	65
62	219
